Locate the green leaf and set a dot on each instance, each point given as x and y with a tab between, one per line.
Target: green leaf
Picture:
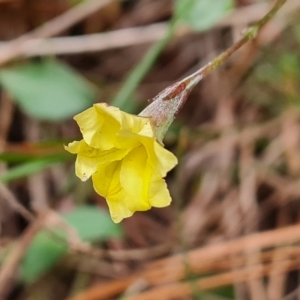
202	14
11	157
289	64
91	223
43	252
86	220
226	292
47	90
32	166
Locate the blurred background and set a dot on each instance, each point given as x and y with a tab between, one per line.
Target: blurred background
232	231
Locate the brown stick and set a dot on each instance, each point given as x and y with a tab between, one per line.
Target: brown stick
15	48
8	196
8	269
136	35
174	268
177	290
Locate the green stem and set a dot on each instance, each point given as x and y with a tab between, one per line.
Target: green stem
122	100
250	34
168	103
137	75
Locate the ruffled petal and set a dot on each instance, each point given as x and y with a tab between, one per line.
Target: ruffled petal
114	113
147	129
107	184
106	181
159	195
73	147
132	128
161	159
118	208
136	124
134	179
85	167
89	158
98	127
166	159
127	164
85	164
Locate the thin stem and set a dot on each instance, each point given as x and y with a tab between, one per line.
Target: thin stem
250	34
168	103
139	72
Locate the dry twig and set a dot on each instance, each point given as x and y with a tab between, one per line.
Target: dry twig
133	36
8	269
15	48
174	268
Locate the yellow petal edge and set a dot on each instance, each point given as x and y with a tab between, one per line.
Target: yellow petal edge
121	154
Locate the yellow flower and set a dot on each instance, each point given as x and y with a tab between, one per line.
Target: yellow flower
127	164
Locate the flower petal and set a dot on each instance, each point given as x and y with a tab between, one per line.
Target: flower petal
106	180
98	126
159	195
73	147
132	128
118	208
136	124
89	158
166	159
147	129
107	184
134	179
127	164
160	158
